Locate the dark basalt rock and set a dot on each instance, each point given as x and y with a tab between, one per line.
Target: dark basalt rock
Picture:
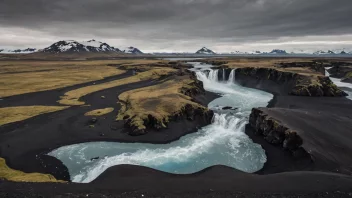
287	83
276	133
215	62
339	69
93	120
224	72
94	158
347	80
226	108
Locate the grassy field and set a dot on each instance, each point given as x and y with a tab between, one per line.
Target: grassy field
72	97
270	63
19	176
99	112
19	77
15	114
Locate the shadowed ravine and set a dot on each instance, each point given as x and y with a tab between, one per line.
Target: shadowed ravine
221	143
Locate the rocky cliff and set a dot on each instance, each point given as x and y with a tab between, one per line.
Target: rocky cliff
277	133
283	83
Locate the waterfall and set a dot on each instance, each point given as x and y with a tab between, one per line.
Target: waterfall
232	77
213	75
223	75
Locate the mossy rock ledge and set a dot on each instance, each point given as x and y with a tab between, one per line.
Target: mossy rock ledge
191	111
188	112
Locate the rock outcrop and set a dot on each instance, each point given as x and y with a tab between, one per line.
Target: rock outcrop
188	110
286	83
276	133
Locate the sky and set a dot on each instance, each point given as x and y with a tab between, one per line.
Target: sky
180	25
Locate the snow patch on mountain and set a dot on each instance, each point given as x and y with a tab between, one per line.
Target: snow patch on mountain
18	51
278	51
92	43
131	50
205	50
84	46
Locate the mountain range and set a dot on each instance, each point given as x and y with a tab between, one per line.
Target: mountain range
19	51
72	46
207	51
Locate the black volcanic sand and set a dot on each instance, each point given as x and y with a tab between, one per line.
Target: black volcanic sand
325	124
219	181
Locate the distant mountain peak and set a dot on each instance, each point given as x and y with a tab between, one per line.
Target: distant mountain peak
131	50
278	51
18	51
205	50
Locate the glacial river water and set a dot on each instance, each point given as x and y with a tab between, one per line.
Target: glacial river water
223	142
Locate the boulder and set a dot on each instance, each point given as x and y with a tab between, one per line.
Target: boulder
93	120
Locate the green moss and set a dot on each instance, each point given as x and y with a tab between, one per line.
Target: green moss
348	75
276	124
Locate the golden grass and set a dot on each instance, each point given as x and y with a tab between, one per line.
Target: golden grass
19	176
348	75
72	97
271	63
160	101
15	114
22	79
99	112
19	77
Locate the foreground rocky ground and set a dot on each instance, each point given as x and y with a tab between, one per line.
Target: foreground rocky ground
306	137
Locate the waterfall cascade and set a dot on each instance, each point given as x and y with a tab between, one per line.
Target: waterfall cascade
213	75
232	77
223	75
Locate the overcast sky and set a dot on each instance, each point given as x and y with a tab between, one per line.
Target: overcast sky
180	25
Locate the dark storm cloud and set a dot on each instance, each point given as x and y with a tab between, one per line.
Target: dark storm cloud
160	20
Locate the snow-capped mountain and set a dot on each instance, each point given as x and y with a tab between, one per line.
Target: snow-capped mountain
85	46
131	50
342	51
205	50
18	51
278	51
322	52
244	53
238	52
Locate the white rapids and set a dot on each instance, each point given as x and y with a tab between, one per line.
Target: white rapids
221	143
